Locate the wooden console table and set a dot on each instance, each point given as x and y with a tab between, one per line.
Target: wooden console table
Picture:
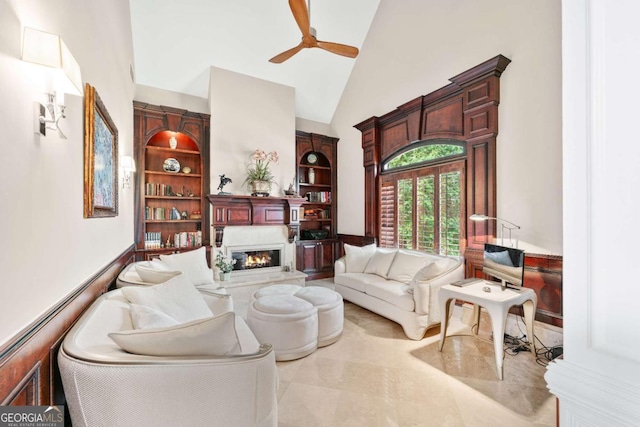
251	210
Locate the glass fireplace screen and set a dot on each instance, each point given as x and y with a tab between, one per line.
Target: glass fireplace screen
249	260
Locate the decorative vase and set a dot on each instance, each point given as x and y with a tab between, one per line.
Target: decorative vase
173	143
312	176
225	276
261	188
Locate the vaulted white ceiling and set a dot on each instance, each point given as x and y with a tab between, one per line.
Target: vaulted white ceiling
175	43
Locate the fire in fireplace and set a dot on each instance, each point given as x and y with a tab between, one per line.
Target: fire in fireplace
255	259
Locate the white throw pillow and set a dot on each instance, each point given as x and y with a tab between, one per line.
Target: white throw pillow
433	270
151	274
213	336
405	266
144	317
176	297
357	257
380	262
191	263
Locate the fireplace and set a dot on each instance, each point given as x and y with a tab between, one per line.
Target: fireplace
273	261
256	259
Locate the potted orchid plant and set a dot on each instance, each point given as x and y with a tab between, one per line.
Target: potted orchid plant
259	177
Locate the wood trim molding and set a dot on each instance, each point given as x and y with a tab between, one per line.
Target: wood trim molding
28	361
250	210
465	110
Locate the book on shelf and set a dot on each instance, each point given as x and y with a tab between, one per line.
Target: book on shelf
319	196
161	214
184	239
152	240
316	213
151	189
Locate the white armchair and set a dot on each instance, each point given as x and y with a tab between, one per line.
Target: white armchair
106	386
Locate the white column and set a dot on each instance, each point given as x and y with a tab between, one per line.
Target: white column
598	380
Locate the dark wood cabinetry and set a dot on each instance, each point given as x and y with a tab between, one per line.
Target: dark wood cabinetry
316	257
172	159
316	181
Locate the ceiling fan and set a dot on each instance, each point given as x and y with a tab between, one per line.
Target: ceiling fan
302	16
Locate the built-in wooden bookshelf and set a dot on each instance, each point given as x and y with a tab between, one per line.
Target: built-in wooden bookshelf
172	157
316	178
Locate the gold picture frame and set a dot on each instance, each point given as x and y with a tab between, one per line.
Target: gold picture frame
100	158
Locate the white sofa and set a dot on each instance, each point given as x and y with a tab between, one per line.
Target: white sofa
401	285
106	386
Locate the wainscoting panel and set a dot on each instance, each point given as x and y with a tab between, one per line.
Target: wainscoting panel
28	362
542	273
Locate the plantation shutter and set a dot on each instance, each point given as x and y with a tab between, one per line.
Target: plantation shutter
424	209
426	214
405	213
388	215
450	205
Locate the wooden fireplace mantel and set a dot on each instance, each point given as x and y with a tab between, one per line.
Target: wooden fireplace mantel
251	210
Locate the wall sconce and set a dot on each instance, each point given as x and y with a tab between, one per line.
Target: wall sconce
503	222
128	166
48	49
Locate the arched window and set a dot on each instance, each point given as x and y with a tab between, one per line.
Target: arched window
422	198
424	152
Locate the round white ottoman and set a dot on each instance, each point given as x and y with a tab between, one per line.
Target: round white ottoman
330	312
282	289
288	323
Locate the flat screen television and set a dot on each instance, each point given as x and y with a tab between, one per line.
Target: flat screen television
505	264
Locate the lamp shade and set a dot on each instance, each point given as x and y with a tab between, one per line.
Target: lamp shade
478	217
48	49
127	164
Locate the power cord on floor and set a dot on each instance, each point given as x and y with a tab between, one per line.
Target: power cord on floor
544	354
516	345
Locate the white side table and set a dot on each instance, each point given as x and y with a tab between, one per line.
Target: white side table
497	303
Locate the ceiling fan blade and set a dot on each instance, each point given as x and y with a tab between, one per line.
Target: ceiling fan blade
301	15
280	58
339	49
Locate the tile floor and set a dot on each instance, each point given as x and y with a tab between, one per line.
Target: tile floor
375	376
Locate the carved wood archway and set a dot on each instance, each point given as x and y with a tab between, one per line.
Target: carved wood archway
465	110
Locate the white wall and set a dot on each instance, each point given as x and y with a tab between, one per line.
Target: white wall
155	96
415	46
249	113
48	248
312	126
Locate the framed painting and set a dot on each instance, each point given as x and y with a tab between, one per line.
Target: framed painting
100	158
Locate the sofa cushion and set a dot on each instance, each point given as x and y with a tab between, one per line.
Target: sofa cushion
406	265
434	269
144	317
357	257
355	281
155	271
392	292
213	336
177	298
193	264
381	261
